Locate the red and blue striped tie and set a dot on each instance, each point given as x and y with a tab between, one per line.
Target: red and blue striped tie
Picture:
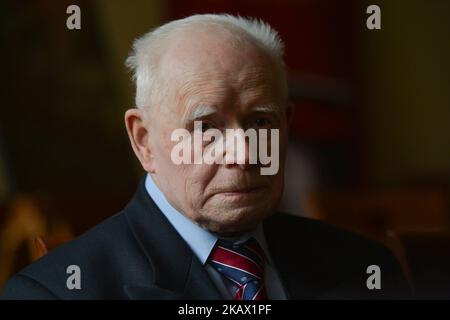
243	266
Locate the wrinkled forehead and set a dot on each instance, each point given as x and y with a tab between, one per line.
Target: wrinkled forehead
214	64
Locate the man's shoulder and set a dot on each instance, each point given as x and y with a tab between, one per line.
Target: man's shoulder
325	238
98	254
336	262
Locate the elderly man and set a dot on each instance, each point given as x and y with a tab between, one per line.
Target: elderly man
209	230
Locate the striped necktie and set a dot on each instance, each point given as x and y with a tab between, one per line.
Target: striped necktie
243	266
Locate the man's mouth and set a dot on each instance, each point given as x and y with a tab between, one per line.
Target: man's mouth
243	191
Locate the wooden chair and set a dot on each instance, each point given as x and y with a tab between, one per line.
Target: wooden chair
44	244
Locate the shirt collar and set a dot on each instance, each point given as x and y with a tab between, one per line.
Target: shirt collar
200	240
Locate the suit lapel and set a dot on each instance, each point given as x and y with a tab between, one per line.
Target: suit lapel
177	272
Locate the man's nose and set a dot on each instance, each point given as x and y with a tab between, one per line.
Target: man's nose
240	151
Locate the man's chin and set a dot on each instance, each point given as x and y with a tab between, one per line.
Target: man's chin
235	222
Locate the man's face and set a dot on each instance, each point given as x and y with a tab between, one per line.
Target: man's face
224	89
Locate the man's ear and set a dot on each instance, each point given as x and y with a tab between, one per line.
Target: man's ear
139	137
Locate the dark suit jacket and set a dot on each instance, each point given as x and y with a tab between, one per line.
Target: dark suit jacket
137	254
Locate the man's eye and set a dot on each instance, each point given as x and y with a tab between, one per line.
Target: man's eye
261	123
205	125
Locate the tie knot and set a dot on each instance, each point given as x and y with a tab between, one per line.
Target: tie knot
240	262
243	265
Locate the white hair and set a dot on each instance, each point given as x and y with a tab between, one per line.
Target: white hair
144	58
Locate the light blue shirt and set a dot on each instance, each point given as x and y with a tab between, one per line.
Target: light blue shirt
201	242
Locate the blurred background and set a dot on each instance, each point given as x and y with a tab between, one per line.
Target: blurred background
370	138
